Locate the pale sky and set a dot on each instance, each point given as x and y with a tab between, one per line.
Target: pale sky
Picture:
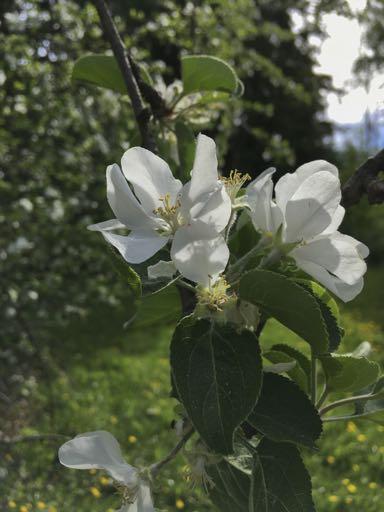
337	55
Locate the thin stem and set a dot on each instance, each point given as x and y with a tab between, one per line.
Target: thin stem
241	262
141	112
313	378
155	468
323	397
349	400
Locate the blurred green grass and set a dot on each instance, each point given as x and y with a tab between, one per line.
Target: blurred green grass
103	377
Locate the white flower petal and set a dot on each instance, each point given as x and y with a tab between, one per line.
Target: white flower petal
212	209
361	248
311	208
306	170
204	175
290	182
150	176
123	203
346	292
98	450
161	269
107	225
200	261
265	214
337	219
138	246
336	253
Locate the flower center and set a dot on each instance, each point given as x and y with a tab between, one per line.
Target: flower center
234	183
170	214
214	297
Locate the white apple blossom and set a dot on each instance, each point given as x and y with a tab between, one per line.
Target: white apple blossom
158	209
100	450
306	211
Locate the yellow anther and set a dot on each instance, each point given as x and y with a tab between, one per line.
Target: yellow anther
214	297
234	182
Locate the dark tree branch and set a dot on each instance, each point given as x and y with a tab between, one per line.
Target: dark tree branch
141	112
149	93
365	181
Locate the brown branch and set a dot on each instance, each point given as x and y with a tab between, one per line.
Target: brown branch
141	112
150	94
365	181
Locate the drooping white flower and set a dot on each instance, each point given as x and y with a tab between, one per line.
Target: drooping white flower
306	208
100	450
158	209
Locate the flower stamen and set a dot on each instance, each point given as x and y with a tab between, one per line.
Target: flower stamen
234	182
170	214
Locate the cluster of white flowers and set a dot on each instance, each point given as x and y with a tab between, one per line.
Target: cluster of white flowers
298	217
302	212
306	212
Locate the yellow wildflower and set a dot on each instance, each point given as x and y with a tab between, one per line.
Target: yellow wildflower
356	468
95	492
113	420
333	498
104	480
41	505
331	459
132	439
372	485
352	488
180	504
52	508
11	504
345	481
361	438
23	508
92	471
351	427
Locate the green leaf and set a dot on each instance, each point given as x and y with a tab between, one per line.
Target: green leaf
217	374
300	358
161	308
186	145
296	373
281	482
348	373
372	410
289	303
129	276
103	71
230	492
278	482
284	412
322	294
329	310
207	73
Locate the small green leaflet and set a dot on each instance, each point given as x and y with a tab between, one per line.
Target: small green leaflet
284	412
217	374
289	303
348	373
103	71
206	73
